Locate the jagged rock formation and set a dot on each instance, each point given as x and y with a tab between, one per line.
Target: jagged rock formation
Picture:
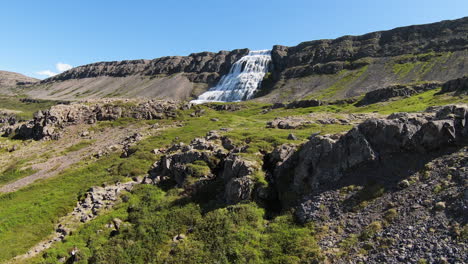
47	124
207	161
325	160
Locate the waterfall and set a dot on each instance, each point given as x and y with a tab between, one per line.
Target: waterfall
242	80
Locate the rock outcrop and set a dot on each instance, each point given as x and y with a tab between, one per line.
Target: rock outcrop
98	199
450	35
237	174
206	161
204	67
325	160
47	124
459	86
381	95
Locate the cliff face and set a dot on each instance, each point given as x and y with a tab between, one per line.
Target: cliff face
443	36
352	65
204	67
174	77
322	69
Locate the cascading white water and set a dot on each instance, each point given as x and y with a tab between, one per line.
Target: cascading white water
243	79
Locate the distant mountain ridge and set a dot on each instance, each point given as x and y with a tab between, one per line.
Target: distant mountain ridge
13	79
325	69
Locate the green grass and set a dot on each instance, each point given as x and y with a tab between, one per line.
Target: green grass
415	103
419	65
14	172
347	77
29	215
199	169
81	145
235	234
26	109
90	235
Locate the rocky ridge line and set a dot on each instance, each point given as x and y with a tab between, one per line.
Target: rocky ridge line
300	60
204	67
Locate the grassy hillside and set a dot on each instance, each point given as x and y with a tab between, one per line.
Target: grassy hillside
243	233
373	73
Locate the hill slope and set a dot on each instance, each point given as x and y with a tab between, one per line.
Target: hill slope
9	80
325	69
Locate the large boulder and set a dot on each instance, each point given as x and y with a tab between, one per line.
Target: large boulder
459	86
237	174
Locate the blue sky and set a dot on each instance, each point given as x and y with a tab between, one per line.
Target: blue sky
37	35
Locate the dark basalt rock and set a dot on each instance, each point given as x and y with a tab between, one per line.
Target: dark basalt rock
304	104
204	67
459	86
325	160
381	95
450	35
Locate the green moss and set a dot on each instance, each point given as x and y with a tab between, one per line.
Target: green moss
464	233
361	198
346	77
348	243
390	215
402	70
437	189
25	109
259	178
199	169
418	65
423	261
415	103
371	230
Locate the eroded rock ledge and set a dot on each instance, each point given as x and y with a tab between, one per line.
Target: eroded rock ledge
48	124
325	160
205	67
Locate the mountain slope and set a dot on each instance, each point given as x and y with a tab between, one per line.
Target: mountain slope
352	65
9	80
175	77
324	69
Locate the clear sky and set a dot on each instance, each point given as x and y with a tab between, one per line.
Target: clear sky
35	36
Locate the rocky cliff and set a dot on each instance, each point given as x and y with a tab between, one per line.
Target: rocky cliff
174	77
323	69
204	67
437	37
352	65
